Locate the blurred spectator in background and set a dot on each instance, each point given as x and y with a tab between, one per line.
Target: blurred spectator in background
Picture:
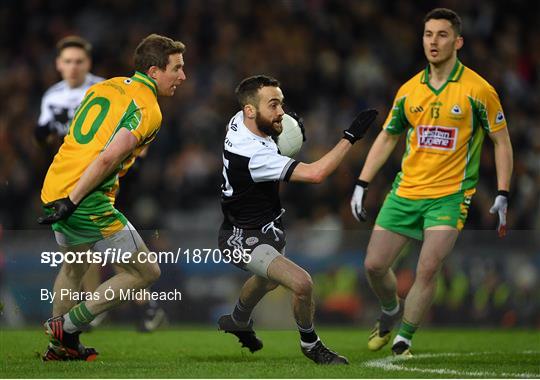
59	102
350	54
346	51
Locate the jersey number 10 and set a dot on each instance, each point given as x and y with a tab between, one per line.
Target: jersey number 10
80	118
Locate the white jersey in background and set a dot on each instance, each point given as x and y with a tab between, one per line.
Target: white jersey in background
59	103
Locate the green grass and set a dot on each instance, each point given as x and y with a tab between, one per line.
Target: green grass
205	353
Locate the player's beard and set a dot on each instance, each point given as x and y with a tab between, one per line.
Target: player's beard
267	126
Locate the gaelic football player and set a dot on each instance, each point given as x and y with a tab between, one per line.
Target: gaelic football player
445	111
116	120
252	170
58	105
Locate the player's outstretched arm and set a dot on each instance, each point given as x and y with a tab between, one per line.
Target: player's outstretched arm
317	171
378	154
123	143
504	164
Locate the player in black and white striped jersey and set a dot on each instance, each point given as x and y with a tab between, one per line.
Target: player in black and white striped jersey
252	170
60	101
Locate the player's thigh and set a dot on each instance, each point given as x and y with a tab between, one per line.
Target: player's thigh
129	240
260	259
94	219
76	261
287	273
383	248
257	249
402	216
438	243
92	278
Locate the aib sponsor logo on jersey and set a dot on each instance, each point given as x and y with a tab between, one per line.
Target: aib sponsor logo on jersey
437	137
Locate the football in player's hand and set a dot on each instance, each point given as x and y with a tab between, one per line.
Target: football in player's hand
290	139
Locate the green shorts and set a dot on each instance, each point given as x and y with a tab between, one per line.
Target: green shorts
410	217
94	219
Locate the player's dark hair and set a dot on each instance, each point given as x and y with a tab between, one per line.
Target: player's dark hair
74	41
154	50
445	14
246	91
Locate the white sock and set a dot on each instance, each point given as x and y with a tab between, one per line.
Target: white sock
69	327
308	346
399	338
394	311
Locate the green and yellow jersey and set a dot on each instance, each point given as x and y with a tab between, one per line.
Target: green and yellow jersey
107	107
445	130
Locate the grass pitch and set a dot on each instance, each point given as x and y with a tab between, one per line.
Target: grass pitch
448	353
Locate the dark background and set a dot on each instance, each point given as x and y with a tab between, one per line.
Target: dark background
333	58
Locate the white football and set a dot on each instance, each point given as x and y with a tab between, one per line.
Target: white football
290	139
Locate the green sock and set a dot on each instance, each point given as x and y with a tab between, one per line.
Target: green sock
77	317
407	330
389	306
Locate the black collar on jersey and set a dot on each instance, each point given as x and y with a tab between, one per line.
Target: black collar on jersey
146	80
454	76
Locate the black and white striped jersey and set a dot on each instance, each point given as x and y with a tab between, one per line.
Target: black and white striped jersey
252	169
59	103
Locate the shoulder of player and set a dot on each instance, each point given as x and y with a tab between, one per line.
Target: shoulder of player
239	142
139	92
409	86
106	88
413	82
121	88
475	81
93	79
57	87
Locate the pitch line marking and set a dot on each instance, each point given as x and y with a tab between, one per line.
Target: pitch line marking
389	365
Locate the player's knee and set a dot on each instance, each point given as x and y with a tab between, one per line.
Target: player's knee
427	272
263	283
271	285
374	267
303	286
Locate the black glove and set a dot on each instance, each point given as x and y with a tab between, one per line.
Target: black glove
360	125
63	208
300	122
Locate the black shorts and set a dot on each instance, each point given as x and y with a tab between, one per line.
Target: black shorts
245	240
